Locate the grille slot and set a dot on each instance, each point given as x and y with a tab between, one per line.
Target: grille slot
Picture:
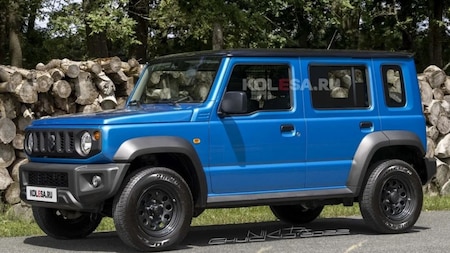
54	179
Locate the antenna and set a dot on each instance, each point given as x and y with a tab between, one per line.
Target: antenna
332	39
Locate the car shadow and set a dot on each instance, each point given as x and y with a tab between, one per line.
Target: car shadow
207	236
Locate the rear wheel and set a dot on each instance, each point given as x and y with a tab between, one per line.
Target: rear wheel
154	209
62	224
296	214
392	199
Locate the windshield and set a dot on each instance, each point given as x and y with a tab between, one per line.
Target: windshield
175	80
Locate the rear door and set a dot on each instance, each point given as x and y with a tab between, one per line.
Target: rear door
339	111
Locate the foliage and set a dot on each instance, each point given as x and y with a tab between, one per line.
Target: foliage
187	25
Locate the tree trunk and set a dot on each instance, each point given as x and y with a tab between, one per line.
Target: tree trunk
217	38
96	42
3	34
408	34
435	32
15	47
138	10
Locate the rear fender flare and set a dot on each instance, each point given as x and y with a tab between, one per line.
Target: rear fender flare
369	145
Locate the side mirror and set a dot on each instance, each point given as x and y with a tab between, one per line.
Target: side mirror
234	102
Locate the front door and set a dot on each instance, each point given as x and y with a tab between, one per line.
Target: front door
262	150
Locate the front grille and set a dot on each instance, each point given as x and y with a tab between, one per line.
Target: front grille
54	142
54	179
58	143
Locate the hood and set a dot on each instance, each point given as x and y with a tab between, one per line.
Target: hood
132	115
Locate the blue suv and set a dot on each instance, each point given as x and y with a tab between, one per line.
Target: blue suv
292	129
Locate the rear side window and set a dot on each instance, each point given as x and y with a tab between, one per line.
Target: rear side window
334	87
394	88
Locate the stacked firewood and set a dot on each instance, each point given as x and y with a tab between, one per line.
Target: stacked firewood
65	86
435	90
56	88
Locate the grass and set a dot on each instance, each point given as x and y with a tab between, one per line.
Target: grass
10	227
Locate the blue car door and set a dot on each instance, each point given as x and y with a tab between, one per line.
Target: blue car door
263	150
340	112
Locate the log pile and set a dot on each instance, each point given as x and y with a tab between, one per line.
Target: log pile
58	87
65	86
435	91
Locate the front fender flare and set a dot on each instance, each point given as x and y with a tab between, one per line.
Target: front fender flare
133	148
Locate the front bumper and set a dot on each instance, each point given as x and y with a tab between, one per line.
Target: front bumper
73	184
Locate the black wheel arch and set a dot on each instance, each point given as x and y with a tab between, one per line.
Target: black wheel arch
172	152
383	145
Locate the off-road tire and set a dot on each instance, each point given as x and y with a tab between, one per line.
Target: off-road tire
154	209
392	199
56	225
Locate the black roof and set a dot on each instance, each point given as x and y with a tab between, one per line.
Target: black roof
294	52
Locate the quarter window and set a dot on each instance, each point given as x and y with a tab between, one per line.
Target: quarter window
339	87
394	88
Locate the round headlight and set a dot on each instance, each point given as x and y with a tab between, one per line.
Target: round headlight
86	143
29	143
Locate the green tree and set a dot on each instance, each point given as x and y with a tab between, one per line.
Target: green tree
103	25
148	28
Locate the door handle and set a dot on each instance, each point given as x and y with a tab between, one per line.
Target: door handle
287	128
365	124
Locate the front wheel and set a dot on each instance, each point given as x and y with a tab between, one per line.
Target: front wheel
296	214
392	198
154	209
62	224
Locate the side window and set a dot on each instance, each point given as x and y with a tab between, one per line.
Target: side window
394	88
266	86
339	87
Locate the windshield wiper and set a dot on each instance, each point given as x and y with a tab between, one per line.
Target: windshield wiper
180	100
173	101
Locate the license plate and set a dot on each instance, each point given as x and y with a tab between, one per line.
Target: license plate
44	194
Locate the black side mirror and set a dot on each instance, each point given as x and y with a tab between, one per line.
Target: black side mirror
234	102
